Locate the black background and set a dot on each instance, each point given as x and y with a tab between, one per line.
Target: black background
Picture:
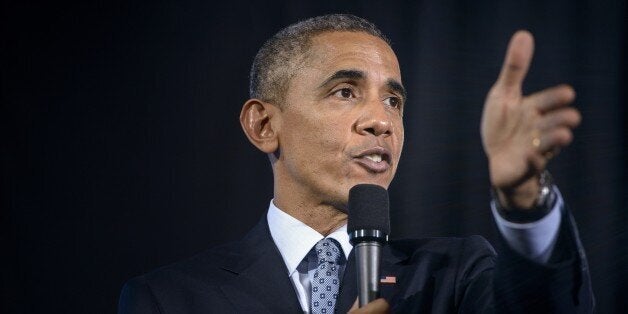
121	150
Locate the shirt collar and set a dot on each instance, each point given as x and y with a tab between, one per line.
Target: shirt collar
294	239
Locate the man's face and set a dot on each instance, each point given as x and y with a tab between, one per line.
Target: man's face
341	123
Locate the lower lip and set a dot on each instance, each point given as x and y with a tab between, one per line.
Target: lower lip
372	166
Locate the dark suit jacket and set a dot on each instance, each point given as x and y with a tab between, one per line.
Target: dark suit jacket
435	275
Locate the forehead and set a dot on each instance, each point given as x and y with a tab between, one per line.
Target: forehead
331	51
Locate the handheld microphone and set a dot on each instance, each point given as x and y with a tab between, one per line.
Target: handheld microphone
368	228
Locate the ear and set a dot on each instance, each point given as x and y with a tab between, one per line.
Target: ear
259	121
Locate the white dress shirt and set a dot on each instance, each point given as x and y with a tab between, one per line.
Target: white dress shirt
294	239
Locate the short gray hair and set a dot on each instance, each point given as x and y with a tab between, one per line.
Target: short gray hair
276	62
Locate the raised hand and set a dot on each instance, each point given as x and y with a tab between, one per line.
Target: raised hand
520	134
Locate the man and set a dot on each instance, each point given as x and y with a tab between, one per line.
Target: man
326	105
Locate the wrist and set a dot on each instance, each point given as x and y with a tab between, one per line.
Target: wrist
521	206
522	197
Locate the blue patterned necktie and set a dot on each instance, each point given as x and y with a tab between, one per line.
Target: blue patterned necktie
325	280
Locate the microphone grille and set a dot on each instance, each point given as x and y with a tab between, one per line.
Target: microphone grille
368	208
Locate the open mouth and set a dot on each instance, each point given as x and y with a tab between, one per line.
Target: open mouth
375	159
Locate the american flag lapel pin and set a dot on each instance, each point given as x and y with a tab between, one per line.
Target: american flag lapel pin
388	280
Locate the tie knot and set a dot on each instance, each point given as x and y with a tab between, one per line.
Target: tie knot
328	250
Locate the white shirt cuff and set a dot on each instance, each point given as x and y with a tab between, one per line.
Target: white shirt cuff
534	240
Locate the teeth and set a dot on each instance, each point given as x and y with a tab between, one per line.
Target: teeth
374	157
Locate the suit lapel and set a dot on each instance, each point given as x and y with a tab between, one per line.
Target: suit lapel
391	265
262	283
349	286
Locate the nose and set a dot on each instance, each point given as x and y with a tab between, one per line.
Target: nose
374	120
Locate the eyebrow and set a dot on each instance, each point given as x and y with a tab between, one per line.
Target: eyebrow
392	84
344	74
396	86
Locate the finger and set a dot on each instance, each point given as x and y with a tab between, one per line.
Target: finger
551	98
553	140
565	117
517	60
538	161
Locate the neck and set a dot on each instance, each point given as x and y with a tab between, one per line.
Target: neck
323	218
309	208
323	214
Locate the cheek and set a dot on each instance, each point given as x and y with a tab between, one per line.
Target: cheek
400	140
316	141
327	141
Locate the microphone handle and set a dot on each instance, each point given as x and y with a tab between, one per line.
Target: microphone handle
368	255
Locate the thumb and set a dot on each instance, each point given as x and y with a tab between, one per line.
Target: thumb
376	306
517	61
355	306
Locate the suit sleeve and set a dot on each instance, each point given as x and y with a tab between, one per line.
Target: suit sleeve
562	285
513	283
137	298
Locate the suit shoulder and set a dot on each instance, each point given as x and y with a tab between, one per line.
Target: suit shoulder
203	270
137	297
181	286
449	246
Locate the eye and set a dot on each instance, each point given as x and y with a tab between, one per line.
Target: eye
344	93
394	102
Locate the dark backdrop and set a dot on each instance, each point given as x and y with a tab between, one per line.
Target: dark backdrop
121	149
